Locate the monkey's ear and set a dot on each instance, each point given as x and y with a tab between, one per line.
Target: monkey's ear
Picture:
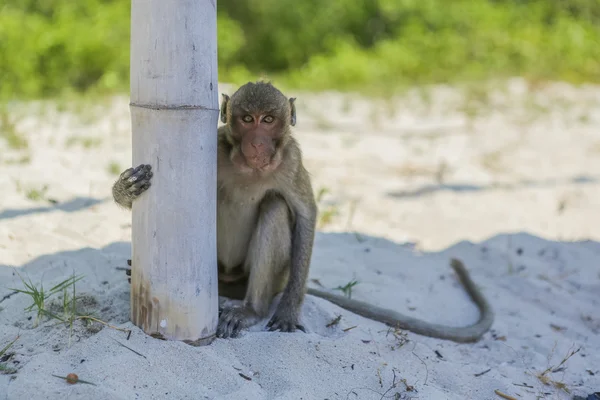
224	105
293	111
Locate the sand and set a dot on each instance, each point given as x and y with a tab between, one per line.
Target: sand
504	178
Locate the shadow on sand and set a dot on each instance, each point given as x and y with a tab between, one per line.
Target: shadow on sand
77	204
524	184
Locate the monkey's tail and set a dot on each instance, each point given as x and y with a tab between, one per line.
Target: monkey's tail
395	319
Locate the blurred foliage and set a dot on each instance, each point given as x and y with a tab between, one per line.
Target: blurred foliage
51	46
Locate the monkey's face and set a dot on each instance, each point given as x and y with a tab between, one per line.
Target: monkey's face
259	135
259	117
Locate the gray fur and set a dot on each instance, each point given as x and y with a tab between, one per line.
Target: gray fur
266	226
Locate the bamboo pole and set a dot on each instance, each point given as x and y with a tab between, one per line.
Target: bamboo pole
174	115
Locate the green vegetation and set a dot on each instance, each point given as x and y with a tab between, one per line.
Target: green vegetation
37	195
5	369
114	168
39	296
326	212
9	132
85	142
55	46
66	310
347	288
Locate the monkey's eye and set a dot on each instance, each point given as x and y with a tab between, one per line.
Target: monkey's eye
268	119
247	118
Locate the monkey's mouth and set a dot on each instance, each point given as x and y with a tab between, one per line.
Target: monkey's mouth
263	162
258	162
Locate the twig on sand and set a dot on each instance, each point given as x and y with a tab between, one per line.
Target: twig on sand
482	373
546	380
523	385
422	362
73	378
129	348
334	321
8	296
504	395
394	384
246	377
564	360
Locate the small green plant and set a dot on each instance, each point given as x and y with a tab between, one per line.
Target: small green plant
85	142
327	212
3	367
347	288
327	215
39	296
26	159
8	131
69	307
14	140
69	303
32	193
322	192
114	168
37	194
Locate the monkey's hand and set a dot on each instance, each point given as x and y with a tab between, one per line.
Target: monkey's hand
131	184
233	319
285	321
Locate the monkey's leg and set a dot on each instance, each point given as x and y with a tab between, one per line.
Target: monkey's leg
287	315
267	262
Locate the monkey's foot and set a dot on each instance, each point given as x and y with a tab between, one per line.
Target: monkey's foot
284	322
128	271
233	319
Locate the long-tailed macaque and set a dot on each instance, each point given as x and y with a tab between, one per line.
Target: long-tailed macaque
266	217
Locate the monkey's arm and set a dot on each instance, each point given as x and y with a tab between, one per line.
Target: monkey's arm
131	184
393	318
304	209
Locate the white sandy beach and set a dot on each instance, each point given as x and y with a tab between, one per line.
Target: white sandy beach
511	186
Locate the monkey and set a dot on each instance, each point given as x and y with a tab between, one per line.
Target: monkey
266	223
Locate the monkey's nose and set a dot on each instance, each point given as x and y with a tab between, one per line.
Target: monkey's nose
257	145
